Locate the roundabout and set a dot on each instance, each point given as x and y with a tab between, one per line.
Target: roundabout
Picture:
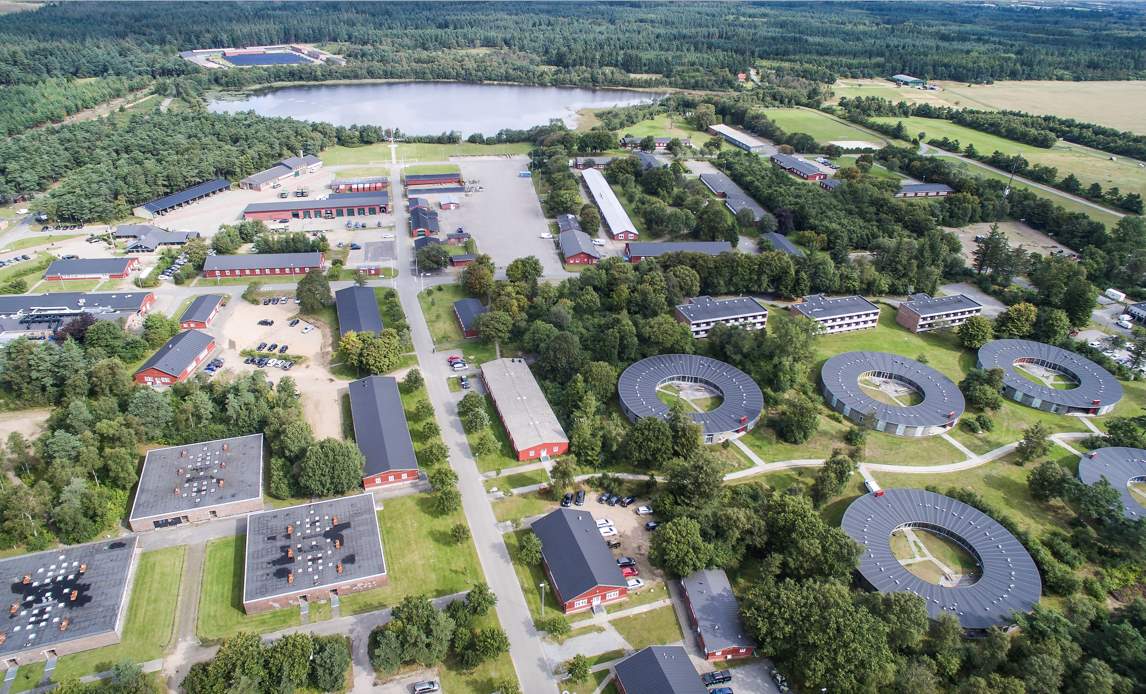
643	383
1008	580
891	393
1123	468
1051	378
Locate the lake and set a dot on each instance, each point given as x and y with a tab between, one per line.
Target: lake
429	108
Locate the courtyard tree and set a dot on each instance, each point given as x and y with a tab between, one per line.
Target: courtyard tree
678	547
976	332
313	292
331	467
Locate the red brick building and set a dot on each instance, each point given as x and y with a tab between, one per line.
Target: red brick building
261	264
91	268
715	616
577	562
335	206
201	312
532	427
176	360
382	433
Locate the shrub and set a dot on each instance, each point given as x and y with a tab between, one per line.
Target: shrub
554	626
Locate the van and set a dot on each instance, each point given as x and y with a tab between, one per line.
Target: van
427	687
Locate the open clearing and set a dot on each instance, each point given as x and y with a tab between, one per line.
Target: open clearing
886	89
819	125
665	125
1032	240
1118	104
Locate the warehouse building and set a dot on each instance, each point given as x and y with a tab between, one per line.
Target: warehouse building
908	81
613	214
922	312
287	168
636	252
335	206
312	551
702	313
924	190
262	264
533	429
427	181
739	138
370	184
91	269
357	311
577	248
577	562
799	167
382	433
782	243
840	315
66	600
188	196
199	482
715	616
658	670
39	316
468	311
735	199
201	312
176	360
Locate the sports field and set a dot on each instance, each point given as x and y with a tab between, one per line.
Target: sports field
819	125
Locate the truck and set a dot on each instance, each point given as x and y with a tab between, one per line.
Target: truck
302	192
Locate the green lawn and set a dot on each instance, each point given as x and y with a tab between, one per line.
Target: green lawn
432	169
520	506
33	241
363	171
416	151
148	631
68	285
29	270
504	456
438	308
244	281
520	479
28	676
821	126
1009	423
665	125
421	558
655	627
876	171
221	601
764	442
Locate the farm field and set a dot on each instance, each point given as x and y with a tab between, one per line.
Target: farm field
885	89
821	126
1118	104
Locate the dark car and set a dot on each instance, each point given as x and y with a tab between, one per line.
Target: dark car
580	498
603	498
261	362
249	360
261	347
612	500
651	525
273	347
283	349
714	678
567	500
613	544
355	247
293	323
626	561
266	321
628	500
266	302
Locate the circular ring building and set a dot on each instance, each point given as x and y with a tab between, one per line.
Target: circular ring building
742	400
1121	467
1009	580
1095	391
939	409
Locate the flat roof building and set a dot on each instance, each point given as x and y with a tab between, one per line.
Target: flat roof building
91	268
382	433
357	309
176	360
798	167
735	199
577	562
658	670
715	616
311	551
838	315
924	190
739	138
201	312
66	600
533	428
613	214
577	248
187	196
198	482
923	312
467	312
41	315
335	206
702	313
261	264
635	252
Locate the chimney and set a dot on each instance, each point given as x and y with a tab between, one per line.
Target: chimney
27	579
64	623
83	568
290	577
290	529
290	552
176	491
75	594
338	567
16	607
183	453
333	521
222	463
226	446
220	483
337	543
179	471
3	638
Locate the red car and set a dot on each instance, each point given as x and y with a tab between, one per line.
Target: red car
629	571
453	358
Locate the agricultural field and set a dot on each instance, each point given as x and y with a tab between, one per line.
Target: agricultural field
1117	104
885	89
821	126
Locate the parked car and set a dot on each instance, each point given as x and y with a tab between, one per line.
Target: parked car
630	571
626	561
283	349
355	246
711	679
547	235
603	498
720	690
459	366
273	347
262	346
307	329
627	500
635	583
612	500
249	360
266	302
644	510
603	522
613	544
426	687
579	499
567	500
607	531
651	525
453	358
293	322
1124	324
266	321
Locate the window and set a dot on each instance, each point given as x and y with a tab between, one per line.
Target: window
580	603
612	594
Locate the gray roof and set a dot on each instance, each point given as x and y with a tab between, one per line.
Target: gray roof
783	244
371	199
926	305
734	135
149	242
424	218
201	308
272	174
612	211
831	183
905	78
575	553
70	303
705	308
468	311
133	231
178	479
316	560
187	195
45	601
925	188
380	427
648	161
565	222
820	307
526	414
659	670
637	249
253	261
1120	467
413	202
1096	387
791	163
942	401
301	162
716	610
423	241
1010	580
417	178
743	402
88	266
576	241
178	353
351	181
734	196
357	310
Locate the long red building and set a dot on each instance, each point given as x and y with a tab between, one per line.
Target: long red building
336	205
261	264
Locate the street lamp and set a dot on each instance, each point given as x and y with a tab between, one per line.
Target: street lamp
541	605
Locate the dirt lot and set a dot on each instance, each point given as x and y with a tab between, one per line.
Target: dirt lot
1017	233
27	422
631	532
237	329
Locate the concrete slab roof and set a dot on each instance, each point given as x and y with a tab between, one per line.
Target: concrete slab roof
200	475
526	413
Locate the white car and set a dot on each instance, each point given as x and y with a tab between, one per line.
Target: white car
1095	344
604	523
307	329
1124	324
598	242
547	235
644	511
1126	317
635	583
608	531
387	237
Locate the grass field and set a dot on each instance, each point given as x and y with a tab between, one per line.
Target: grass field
876	170
147	632
945	551
221	602
530	578
68	285
432	169
820	126
665	125
885	89
655	627
520	506
416	151
35	241
503	457
520	479
363	171
29	270
1113	103
438	308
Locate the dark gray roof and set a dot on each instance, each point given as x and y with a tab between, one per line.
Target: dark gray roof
357	310
576	241
659	670
575	552
424	218
926	305
372	199
791	163
1120	467
133	231
1009	582
45	601
149	242
820	307
462	258
196	191
743	402
942	401
61	303
433	177
178	353
414	202
423	241
925	188
468	311
783	244
253	261
734	196
272	174
88	266
717	613
565	222
206	474
352	181
300	162
380	427
201	308
638	249
314	532
1095	384
705	308
832	183
648	161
